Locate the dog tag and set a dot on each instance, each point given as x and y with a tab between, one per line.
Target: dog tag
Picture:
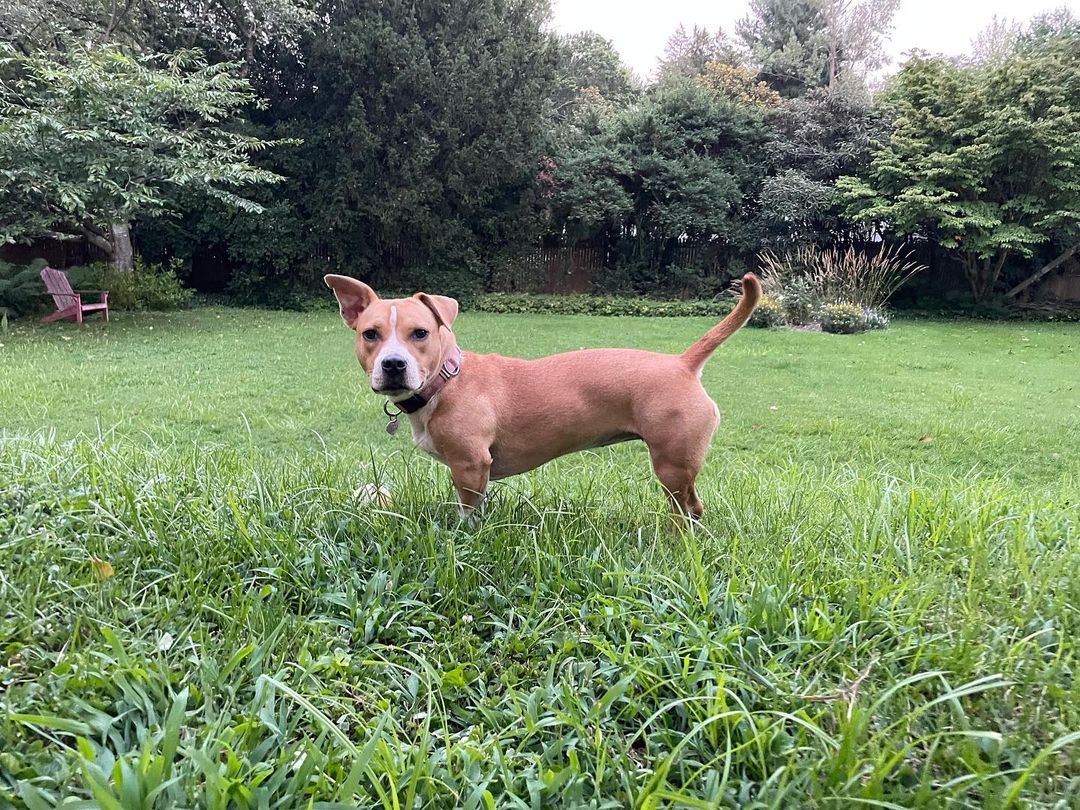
392	425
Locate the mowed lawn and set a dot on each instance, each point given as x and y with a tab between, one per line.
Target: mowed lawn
880	607
998	400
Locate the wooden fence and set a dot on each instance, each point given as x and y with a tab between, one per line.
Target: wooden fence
59	253
577	268
570	269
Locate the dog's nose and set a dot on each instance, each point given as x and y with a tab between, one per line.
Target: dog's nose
393	365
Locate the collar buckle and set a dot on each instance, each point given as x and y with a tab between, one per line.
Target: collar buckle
448	371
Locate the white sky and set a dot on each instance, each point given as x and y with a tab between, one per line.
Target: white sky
640	28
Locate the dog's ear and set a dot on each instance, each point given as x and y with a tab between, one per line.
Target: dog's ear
445	309
353	297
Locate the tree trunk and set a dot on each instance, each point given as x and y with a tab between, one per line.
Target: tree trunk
993	273
667	253
983	274
97	238
1042	271
971	273
123	256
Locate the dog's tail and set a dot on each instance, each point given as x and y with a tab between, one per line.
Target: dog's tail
697	354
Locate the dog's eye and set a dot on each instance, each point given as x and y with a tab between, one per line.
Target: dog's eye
371	334
419	334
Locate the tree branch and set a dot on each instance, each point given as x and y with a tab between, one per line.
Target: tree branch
94	237
992	280
1042	271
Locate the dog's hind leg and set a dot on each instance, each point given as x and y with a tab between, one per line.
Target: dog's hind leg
677	447
694	507
677	479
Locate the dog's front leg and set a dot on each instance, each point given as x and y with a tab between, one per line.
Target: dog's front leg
470	473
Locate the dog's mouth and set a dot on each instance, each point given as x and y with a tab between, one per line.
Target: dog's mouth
392	390
396	382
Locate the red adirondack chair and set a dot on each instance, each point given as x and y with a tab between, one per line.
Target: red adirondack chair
69	303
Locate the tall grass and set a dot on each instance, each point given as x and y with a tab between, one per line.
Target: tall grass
836	275
830	636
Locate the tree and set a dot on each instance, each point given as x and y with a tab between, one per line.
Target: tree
803	44
588	197
856	32
688	52
423	125
680	166
94	138
814	140
997	40
1058	25
983	159
227	30
789	42
587	62
739	84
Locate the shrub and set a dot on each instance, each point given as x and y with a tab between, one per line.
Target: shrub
801	301
875	317
866	279
769	312
600	305
147	286
843	318
249	287
511	273
687	280
21	290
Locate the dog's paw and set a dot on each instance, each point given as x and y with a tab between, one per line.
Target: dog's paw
372	495
467	518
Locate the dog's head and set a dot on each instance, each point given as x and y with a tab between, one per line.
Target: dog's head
401	342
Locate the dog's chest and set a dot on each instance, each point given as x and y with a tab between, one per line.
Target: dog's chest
421	437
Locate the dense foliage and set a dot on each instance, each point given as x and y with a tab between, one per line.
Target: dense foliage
21	288
677	166
815	139
587	62
434	116
422	128
984	159
145	286
93	138
842	319
441	143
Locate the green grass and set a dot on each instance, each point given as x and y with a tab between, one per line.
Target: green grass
1002	400
264	640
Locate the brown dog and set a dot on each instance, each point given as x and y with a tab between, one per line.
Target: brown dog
487	416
